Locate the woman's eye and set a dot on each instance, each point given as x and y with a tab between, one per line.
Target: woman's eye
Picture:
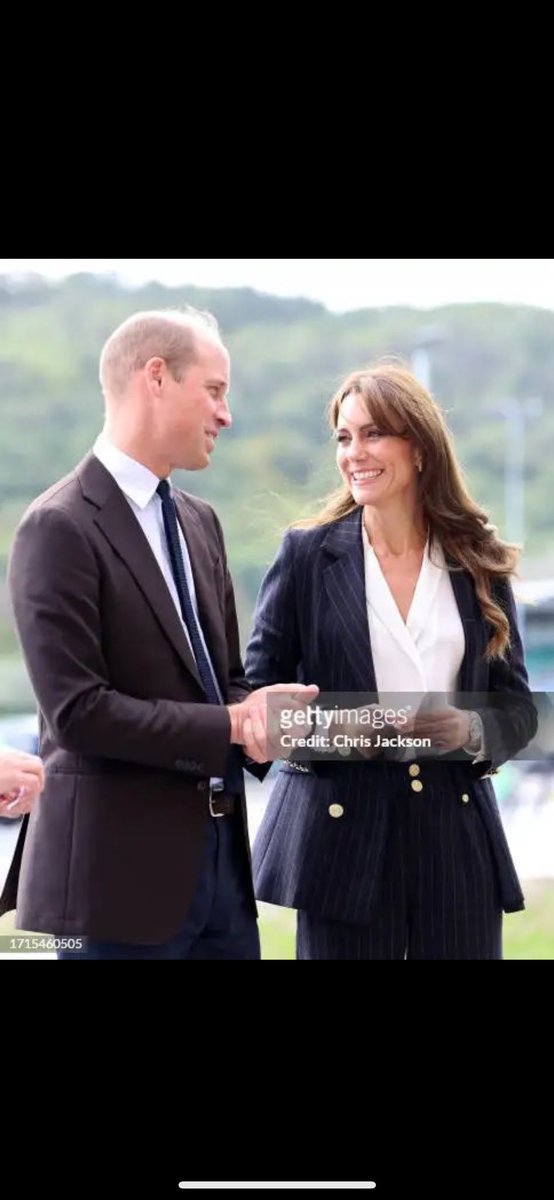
342	438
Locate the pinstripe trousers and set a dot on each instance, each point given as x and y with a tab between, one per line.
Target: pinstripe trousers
438	895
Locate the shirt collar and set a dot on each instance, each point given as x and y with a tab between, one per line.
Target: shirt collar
134	479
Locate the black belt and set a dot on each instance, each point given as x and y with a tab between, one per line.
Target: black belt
221	804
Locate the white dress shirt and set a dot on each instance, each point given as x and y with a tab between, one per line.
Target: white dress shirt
425	653
138	485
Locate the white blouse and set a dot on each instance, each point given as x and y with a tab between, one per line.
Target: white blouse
424	654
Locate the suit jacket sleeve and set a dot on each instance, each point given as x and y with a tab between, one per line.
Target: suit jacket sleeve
273	652
55	587
509	715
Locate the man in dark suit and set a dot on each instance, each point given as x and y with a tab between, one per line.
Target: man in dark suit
124	607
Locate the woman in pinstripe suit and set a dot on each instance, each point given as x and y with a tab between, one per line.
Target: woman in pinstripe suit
400	584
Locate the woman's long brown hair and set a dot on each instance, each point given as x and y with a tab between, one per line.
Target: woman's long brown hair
398	404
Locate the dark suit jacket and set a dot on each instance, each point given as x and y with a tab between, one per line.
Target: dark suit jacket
311	624
113	848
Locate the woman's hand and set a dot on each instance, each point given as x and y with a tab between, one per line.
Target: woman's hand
356	725
447	728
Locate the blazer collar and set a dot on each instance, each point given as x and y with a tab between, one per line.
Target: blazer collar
474	672
206	572
345	585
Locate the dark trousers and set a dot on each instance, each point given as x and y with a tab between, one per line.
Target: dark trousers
437	896
220	922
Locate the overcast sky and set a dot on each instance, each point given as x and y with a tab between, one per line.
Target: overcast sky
339	283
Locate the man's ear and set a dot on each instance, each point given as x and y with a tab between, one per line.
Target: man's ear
155	371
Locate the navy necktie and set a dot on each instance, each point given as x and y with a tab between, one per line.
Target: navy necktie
233	774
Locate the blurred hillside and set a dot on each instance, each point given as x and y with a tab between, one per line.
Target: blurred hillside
288	356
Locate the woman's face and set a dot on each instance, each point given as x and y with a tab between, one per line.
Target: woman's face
375	466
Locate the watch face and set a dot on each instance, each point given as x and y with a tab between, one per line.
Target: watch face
474	728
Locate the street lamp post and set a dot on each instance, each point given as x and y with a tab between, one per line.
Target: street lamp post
421	366
426	337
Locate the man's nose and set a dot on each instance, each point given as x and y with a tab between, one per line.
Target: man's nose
224	415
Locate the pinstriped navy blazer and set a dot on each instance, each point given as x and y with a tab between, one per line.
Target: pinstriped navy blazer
311	625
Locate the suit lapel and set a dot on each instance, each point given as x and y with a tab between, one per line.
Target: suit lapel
206	576
344	581
121	529
473	671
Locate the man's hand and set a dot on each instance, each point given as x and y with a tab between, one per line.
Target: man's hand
255	722
21	782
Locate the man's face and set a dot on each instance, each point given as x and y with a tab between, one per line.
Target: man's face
194	410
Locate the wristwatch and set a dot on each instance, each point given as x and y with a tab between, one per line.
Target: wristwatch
475	732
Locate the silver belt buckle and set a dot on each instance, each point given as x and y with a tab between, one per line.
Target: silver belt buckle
213	795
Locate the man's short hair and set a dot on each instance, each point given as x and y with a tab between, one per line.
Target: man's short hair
170	334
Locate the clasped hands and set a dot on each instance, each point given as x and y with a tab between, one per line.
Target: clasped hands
255	722
21	782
